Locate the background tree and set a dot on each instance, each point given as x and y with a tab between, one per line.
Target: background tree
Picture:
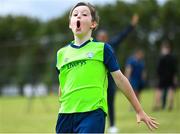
28	46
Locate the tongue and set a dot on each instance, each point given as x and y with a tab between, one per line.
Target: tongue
78	24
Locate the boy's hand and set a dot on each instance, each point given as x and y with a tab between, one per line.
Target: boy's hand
134	20
149	121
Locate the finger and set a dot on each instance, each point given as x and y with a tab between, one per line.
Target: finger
155	122
152	118
138	120
153	125
149	125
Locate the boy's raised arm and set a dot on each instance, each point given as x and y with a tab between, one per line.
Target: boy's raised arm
123	84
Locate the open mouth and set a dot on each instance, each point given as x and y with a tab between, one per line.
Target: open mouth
78	24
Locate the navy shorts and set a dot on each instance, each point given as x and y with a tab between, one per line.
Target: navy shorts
86	122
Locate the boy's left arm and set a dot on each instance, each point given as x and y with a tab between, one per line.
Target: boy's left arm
123	84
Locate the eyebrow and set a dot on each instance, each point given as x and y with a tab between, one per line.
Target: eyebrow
82	11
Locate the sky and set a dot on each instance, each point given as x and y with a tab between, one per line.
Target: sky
44	9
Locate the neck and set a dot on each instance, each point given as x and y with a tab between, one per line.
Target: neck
78	40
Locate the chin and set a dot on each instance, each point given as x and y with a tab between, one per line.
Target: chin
79	32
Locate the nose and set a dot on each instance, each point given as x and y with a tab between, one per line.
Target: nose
79	16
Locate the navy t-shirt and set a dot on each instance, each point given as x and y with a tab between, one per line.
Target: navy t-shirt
109	59
137	67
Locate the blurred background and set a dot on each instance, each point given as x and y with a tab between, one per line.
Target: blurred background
32	31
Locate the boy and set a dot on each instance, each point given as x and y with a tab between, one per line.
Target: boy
135	71
167	76
83	67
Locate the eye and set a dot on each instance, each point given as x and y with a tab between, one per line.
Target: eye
75	14
84	14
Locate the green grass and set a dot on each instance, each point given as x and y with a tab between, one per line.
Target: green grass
15	115
126	119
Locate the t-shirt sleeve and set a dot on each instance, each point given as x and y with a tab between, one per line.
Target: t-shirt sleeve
57	70
110	60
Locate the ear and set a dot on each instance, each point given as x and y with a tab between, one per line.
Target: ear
93	25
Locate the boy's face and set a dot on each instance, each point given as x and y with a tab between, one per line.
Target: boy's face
165	50
81	21
140	55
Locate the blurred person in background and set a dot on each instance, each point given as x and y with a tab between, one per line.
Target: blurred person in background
135	71
167	79
115	42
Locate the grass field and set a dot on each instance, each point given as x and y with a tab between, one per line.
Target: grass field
19	114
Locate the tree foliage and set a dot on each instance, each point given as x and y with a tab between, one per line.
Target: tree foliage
28	46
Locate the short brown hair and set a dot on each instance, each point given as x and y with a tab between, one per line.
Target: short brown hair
94	13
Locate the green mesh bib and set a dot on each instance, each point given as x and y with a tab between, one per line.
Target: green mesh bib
83	78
